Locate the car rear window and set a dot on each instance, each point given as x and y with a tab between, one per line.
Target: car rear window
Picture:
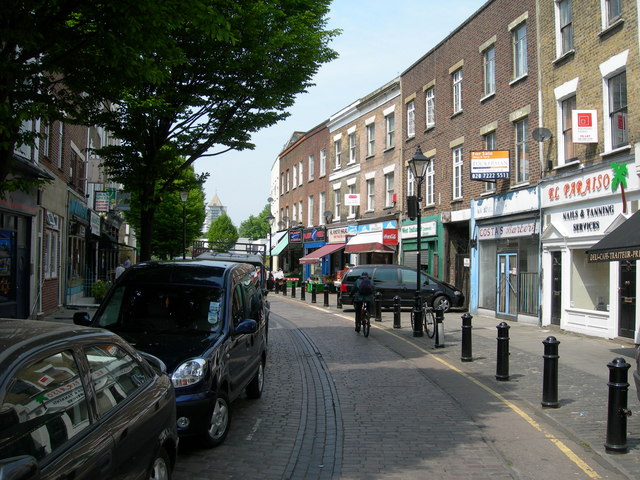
355	273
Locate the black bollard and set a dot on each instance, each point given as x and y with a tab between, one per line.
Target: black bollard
617	412
325	303
502	364
284	288
313	292
338	299
396	312
466	355
293	288
378	306
303	293
439	340
550	373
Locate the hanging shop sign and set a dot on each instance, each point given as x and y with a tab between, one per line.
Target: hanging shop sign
295	236
310	235
102	201
337	235
390	236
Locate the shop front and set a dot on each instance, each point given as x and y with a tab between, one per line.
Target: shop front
590	288
505	259
430	242
372	242
312	240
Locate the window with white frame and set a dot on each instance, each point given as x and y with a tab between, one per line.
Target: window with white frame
490	144
300	212
300	174
282	184
311	165
352	148
371	140
617	86
457	173
391	130
522	150
51	253
388	189
567	106
431	106
520	50
338	152
457	90
294	213
47	142
489	66
322	207
323	162
429	183
351	189
294	176
411	183
60	142
288	180
612	12
564	29
337	203
310	210
411	119
371	195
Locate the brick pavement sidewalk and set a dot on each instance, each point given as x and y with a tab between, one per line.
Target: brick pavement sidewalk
582	373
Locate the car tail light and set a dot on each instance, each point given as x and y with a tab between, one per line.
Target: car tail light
343	287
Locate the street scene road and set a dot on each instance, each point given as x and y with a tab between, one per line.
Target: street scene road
340	406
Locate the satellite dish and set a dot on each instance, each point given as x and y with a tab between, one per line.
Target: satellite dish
541	134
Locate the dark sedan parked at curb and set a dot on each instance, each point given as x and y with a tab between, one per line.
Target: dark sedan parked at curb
81	403
392	280
207	321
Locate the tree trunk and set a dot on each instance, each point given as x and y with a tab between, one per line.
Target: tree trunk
146	233
624	199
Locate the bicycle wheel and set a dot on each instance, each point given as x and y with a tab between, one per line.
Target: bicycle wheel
366	323
429	321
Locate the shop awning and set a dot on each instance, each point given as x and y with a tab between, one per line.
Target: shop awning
368	243
317	255
622	243
281	246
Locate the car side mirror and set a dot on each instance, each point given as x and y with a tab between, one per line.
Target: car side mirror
245	327
154	361
81	318
24	467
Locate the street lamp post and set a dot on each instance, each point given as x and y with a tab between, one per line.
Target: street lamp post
418	165
270	219
183	197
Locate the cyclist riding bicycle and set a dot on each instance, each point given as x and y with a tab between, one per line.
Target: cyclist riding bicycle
362	291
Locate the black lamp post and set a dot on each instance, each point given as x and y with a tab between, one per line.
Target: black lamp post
183	197
418	165
270	219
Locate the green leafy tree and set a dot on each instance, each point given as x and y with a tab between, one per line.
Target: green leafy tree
222	233
60	57
620	174
256	227
220	96
168	238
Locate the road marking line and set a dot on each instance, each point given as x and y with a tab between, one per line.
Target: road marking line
581	464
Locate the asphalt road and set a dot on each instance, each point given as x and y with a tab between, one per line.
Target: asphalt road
340	406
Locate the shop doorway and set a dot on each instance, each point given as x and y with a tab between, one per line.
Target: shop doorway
627	298
556	287
507	299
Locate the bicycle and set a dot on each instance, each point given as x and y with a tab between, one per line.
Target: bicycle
428	320
365	319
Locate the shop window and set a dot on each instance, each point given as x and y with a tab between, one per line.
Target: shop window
589	283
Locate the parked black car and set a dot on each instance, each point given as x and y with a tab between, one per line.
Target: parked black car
81	403
207	321
392	280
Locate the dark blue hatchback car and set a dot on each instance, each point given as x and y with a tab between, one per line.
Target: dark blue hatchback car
207	321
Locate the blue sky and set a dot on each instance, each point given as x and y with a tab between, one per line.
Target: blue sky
380	39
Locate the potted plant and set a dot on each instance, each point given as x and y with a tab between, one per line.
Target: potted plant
100	289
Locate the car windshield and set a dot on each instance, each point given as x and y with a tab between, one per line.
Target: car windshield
163	309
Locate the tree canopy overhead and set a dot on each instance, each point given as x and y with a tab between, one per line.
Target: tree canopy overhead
226	89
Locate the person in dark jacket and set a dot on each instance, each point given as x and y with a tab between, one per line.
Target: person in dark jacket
362	291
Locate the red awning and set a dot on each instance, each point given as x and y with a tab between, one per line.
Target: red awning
316	255
369	242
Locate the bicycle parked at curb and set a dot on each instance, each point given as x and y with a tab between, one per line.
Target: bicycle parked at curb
428	320
365	319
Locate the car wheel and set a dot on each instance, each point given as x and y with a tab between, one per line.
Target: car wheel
442	302
254	389
219	422
161	467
